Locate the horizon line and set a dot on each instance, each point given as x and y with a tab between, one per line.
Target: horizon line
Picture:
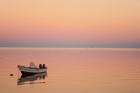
78	47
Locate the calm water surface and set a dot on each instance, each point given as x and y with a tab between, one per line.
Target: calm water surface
72	70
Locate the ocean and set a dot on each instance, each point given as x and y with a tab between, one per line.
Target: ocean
71	70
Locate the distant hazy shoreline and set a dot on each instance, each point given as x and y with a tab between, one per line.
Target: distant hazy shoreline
40	48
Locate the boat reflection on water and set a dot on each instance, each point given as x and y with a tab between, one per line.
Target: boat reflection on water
32	79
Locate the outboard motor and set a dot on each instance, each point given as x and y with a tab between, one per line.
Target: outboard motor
40	66
44	66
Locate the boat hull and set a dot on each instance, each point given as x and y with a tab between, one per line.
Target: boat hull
31	71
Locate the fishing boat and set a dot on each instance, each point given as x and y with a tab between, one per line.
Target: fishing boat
32	69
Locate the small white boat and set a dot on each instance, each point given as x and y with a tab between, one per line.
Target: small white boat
32	69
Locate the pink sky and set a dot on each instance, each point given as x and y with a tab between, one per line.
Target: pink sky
73	23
